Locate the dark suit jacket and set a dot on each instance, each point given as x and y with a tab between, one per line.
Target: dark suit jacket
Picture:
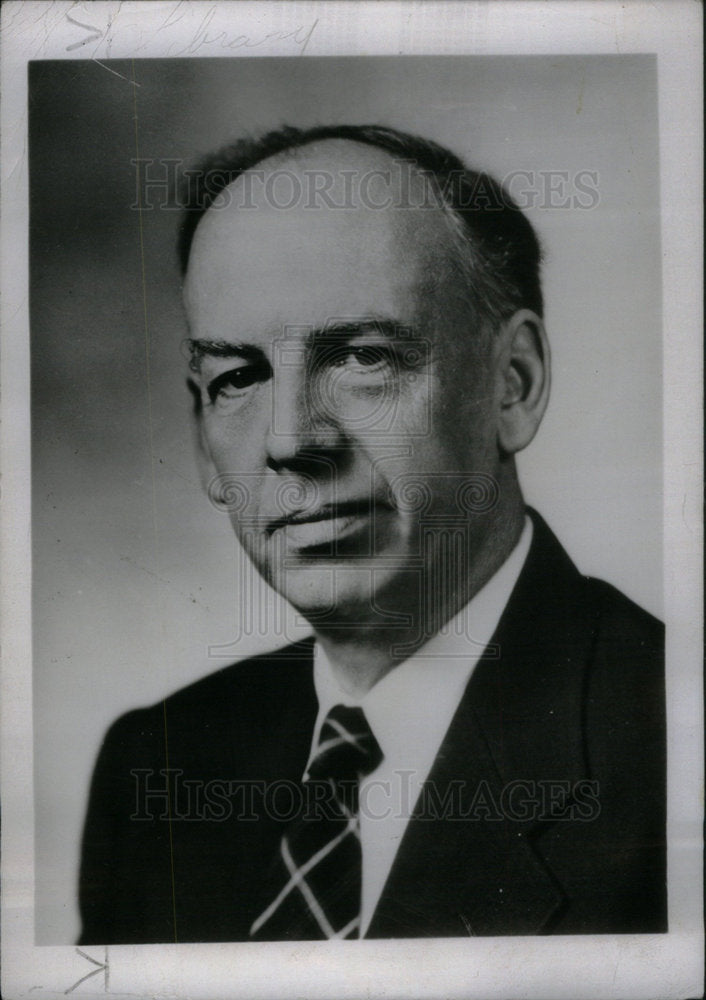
547	804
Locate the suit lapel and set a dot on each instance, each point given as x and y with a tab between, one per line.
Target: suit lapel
469	862
467	872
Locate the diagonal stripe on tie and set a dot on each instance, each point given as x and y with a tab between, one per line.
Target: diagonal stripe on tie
318	868
298	874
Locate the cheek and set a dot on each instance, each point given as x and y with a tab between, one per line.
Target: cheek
463	414
238	471
235	442
402	410
245	532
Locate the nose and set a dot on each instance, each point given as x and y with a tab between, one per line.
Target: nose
302	432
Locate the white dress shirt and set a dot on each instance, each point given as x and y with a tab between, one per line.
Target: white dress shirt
409	710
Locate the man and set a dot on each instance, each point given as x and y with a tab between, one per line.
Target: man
473	741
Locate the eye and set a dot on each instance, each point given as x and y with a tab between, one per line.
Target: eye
370	356
363	358
231	384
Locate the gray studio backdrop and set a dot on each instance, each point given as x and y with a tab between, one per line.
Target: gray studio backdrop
139	587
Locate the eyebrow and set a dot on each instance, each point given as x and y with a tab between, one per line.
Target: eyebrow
390	329
386	327
199	349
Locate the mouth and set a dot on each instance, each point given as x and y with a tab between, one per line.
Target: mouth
325	525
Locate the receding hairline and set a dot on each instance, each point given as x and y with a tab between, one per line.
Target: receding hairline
320	155
435	254
496	244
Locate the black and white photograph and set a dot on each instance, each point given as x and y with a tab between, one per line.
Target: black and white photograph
354	502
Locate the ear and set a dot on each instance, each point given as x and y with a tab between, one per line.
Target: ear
204	462
523	380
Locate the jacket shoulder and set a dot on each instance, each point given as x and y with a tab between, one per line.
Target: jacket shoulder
614	602
625	693
623	629
236	692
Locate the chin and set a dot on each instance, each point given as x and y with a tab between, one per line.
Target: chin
341	595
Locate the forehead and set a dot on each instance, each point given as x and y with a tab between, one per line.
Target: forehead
275	250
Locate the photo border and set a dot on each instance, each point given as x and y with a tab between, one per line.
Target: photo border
668	965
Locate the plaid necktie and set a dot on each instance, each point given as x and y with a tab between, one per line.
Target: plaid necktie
317	875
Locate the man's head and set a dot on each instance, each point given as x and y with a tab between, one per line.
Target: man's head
495	244
367	356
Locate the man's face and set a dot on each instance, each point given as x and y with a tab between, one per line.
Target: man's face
345	397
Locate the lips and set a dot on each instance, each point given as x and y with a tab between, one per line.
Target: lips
324	524
325	512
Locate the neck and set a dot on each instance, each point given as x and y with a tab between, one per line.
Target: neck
364	654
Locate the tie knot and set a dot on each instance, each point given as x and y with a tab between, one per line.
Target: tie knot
347	750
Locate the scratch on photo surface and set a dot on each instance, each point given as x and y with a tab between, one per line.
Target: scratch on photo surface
115	73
